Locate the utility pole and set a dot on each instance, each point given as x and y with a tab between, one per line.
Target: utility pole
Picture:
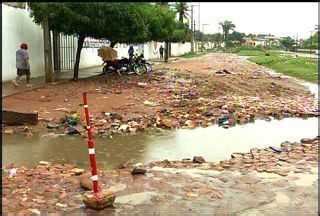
166	43
199	17
203	25
49	76
297	41
195	47
195	41
192	31
310	44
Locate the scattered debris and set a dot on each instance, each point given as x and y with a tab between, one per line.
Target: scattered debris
223	71
150	103
85	182
8	131
44	99
276	149
106	199
19	118
71	131
77	171
142	84
138	171
52	125
198	159
44	163
12	172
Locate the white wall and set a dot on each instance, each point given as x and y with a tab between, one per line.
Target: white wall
151	50
180	48
18	27
89	58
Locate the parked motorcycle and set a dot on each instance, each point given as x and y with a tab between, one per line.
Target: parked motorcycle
135	65
140	65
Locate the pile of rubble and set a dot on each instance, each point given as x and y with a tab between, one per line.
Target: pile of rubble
182	102
290	157
59	187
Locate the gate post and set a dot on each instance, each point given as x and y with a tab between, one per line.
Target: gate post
47	51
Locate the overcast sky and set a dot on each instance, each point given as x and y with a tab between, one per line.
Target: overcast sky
280	19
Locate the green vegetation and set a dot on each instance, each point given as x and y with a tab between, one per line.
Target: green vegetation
194	54
287	43
117	22
299	67
226	27
311	42
302	68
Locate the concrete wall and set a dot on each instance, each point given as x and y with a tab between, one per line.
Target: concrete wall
18	27
89	58
178	49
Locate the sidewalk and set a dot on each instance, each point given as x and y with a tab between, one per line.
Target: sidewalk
9	89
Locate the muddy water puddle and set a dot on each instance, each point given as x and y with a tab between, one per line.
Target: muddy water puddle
213	143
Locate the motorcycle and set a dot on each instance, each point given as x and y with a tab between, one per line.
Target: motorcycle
139	65
135	65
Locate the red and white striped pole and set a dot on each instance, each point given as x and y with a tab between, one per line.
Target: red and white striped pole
92	157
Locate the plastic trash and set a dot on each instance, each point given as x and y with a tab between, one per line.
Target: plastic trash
275	149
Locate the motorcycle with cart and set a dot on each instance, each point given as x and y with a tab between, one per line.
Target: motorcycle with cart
134	65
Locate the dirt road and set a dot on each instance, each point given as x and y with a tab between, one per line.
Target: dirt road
186	93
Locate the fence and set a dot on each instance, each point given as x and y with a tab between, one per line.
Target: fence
18	27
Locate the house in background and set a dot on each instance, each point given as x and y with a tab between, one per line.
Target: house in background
264	40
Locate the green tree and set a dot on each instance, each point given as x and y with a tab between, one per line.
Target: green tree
311	42
227	26
182	9
237	37
217	39
117	22
287	43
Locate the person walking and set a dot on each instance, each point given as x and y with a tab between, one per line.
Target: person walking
161	52
131	52
22	64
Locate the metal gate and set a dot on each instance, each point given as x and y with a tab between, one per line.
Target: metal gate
64	51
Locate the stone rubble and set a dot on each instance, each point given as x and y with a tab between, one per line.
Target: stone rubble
50	187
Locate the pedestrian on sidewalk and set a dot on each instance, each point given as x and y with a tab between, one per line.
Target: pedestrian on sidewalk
22	64
161	52
131	52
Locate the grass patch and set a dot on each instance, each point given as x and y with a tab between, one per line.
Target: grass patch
300	67
193	54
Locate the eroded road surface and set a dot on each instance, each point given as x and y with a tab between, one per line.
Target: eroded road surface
183	94
189	93
260	182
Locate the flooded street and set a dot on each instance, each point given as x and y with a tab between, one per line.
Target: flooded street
258	180
213	143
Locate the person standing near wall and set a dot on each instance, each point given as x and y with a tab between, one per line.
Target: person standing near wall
22	64
131	52
161	52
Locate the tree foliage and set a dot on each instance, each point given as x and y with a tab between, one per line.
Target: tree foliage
311	42
237	37
182	9
117	22
287	42
226	26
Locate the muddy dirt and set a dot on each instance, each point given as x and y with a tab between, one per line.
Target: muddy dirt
186	93
248	184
